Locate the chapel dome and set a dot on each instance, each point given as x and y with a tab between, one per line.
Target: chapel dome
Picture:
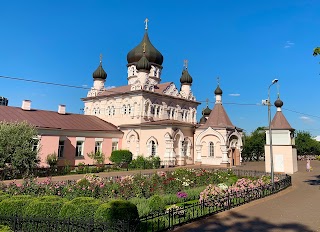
151	53
185	77
206	111
99	73
218	91
143	64
278	103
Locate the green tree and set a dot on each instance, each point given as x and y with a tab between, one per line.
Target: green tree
316	51
253	148
17	146
306	145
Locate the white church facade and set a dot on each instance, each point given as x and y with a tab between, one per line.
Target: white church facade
159	119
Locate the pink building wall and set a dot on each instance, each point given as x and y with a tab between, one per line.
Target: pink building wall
50	144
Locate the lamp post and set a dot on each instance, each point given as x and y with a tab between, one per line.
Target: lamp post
270	135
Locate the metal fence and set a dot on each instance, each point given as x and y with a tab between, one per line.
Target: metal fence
190	212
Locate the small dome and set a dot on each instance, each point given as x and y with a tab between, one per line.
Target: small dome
203	120
143	64
185	77
278	103
152	54
206	111
218	91
99	73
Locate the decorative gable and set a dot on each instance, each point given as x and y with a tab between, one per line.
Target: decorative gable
171	90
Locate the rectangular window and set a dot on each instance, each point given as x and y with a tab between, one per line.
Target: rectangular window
98	147
35	144
79	149
61	148
114	146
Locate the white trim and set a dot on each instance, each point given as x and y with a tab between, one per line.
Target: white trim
98	139
115	140
80	139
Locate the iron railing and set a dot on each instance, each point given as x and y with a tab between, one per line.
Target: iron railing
190	212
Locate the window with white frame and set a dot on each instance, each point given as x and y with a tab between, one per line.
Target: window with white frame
211	149
113	111
129	109
98	146
158	111
35	144
79	148
61	148
114	145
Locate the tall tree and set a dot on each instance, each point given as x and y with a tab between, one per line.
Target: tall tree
306	145
253	148
17	146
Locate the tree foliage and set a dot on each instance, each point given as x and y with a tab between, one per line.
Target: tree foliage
253	148
306	145
121	156
17	142
97	156
316	51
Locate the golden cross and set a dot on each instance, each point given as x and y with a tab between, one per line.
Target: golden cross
144	47
186	63
100	58
146	23
218	79
207	100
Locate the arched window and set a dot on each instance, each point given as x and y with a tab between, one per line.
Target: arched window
129	109
124	109
211	149
158	111
152	148
107	110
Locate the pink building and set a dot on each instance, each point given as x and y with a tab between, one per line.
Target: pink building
70	136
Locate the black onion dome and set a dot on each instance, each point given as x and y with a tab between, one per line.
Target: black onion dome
203	120
185	77
99	73
152	54
218	91
206	111
143	64
278	103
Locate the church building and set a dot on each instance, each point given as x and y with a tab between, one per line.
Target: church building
159	119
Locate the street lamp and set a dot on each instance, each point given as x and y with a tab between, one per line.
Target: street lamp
270	135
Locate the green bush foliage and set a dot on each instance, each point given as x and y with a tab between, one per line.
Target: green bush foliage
3	197
48	206
145	163
52	159
142	205
80	208
15	205
4	228
156	203
117	210
121	156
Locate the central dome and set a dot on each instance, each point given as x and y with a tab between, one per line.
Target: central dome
151	53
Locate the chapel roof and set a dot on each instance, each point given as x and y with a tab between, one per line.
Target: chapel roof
218	118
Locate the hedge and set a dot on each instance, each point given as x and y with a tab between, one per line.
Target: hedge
48	207
15	205
116	210
80	208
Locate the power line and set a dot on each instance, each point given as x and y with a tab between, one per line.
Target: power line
113	91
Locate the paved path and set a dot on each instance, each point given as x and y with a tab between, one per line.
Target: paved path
296	209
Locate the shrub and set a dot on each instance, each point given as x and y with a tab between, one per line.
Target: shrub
15	205
4	228
121	156
117	210
97	156
48	206
3	197
80	208
52	159
156	203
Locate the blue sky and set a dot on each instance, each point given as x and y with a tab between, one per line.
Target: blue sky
246	43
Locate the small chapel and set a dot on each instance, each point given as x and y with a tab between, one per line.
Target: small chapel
159	119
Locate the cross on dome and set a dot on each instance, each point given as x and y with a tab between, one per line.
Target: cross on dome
185	64
146	23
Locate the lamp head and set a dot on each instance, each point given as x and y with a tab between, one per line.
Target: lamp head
274	81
